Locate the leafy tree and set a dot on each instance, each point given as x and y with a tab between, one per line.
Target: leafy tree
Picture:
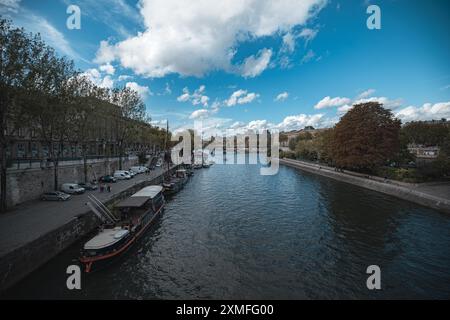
130	109
15	51
430	134
366	137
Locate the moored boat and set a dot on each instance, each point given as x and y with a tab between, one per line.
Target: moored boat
136	215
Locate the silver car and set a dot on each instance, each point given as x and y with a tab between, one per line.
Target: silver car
55	196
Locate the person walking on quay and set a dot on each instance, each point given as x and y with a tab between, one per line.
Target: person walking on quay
108	188
102	187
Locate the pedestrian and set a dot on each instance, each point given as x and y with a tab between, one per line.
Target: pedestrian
108	188
101	187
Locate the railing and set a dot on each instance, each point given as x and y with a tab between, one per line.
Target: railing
30	163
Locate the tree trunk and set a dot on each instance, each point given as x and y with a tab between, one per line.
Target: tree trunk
3	179
120	156
85	168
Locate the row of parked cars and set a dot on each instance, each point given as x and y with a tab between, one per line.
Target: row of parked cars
67	189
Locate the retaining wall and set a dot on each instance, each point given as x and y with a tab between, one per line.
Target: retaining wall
392	189
17	264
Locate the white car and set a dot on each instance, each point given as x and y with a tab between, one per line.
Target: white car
122	175
139	169
72	188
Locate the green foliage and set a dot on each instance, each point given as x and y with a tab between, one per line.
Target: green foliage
424	133
142	158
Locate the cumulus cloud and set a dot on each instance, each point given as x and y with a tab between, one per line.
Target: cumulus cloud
300	121
254	66
240	97
124	77
207	32
96	77
329	102
366	94
428	111
143	91
199	114
386	102
108	68
195	98
282	96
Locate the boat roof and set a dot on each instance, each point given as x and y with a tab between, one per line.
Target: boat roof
105	238
132	202
140	198
150	192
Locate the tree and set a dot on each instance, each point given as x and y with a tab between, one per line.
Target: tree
366	137
14	60
131	109
431	134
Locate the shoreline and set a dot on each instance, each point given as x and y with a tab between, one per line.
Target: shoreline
396	189
19	260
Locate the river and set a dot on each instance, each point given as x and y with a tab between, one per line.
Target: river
232	233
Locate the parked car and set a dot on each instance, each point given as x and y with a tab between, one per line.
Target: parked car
121	175
139	169
55	196
72	188
131	173
88	186
108	179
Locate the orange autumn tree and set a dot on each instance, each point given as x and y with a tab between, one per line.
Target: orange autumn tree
366	137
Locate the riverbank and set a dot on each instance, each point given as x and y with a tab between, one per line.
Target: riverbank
427	195
35	232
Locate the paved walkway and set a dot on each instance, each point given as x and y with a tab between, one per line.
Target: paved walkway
29	221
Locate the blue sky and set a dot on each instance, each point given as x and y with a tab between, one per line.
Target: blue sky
254	64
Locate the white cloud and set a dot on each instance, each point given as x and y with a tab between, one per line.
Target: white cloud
386	102
199	114
366	94
428	111
108	68
167	89
9	6
143	91
124	77
105	54
308	56
345	108
308	34
300	121
282	96
192	38
96	77
240	97
195	98
288	42
329	102
254	66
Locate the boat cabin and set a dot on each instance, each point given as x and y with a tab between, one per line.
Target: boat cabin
145	202
181	173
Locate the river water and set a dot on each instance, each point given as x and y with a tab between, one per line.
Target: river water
232	233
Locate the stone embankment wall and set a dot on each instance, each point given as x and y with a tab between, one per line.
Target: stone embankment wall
399	190
19	263
29	184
